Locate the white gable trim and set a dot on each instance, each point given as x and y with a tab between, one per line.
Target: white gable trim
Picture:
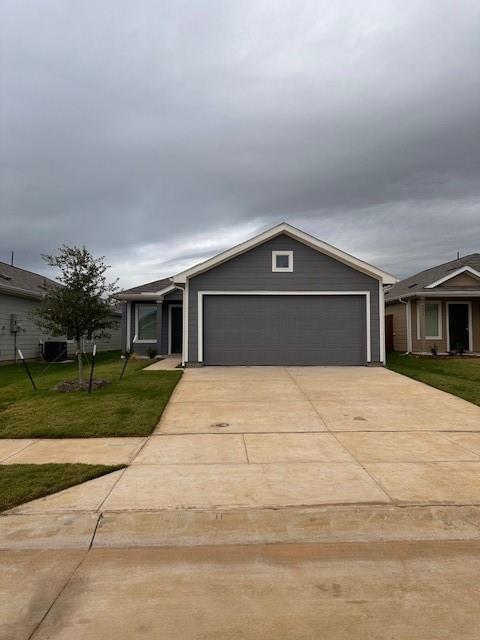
466	269
301	236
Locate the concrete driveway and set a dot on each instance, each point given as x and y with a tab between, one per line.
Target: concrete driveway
269	503
263	437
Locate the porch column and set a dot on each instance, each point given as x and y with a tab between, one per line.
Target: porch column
423	324
159	325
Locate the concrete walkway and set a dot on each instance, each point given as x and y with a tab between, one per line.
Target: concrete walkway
63	450
165	364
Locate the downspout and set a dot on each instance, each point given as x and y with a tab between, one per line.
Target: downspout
408	318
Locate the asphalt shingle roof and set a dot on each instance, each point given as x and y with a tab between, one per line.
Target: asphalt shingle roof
149	287
417	283
27	281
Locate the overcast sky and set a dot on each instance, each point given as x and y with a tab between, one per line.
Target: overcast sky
158	133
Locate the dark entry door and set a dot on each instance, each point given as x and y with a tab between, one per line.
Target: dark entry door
176	329
458	326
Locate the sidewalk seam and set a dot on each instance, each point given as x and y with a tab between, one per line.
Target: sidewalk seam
54	601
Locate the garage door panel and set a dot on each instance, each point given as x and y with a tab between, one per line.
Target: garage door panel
284	330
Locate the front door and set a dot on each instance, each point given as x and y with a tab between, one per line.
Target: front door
176	328
458	326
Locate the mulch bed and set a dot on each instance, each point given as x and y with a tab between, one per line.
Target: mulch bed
70	386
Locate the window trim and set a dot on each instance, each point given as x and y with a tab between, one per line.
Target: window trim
137	306
276	269
438	304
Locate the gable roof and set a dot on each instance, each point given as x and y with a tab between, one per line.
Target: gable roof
421	283
147	291
15	281
297	234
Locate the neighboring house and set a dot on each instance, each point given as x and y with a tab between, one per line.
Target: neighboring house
281	298
437	308
20	293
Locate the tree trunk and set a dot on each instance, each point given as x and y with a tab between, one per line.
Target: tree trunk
80	362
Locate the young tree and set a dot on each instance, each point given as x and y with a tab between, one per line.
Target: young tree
81	307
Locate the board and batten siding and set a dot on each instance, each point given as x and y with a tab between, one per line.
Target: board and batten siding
252	271
30	336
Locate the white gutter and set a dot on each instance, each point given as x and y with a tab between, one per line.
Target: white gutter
436	294
21	293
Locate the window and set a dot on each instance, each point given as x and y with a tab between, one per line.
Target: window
282	261
146	325
433	321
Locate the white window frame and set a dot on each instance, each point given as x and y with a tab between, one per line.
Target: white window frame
470	326
137	306
439	320
201	295
288	269
170	307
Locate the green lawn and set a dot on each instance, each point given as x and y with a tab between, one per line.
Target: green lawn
21	483
459	376
128	407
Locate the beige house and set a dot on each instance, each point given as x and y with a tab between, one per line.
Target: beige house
437	308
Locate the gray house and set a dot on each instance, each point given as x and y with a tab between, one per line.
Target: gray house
20	293
280	298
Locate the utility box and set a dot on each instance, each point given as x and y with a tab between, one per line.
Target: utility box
55	350
14	326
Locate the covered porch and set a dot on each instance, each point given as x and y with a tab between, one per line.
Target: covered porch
153	324
447	324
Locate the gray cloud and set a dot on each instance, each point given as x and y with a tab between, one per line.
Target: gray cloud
158	133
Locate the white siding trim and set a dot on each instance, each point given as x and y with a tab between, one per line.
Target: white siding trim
408	311
185	323
129	326
201	294
381	319
170	306
470	325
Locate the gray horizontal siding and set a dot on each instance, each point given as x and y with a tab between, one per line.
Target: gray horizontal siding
30	336
252	271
